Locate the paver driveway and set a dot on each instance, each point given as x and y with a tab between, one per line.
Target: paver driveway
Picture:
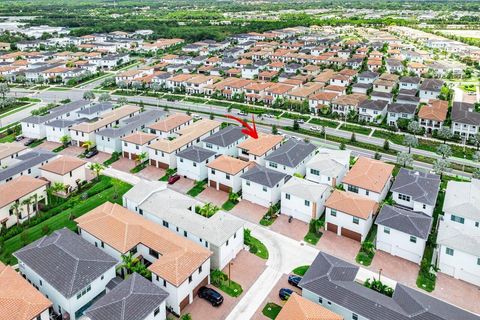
338	246
124	164
73	151
245	269
296	229
457	292
214	196
395	268
101	157
48	145
182	185
249	211
151	173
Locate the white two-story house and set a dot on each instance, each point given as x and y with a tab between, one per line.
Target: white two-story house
225	173
262	186
291	157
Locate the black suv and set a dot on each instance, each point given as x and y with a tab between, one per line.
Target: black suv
211	296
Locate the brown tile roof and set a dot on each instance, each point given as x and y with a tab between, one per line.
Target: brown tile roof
436	110
327	96
171	122
19	187
19	300
123	230
139	138
228	164
350	99
352	204
260	146
63	165
7	149
300	308
369	174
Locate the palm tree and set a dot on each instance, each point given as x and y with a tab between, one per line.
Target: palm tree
208	210
128	263
65	140
233	197
28	202
17	208
56	187
88	145
96	168
35	201
141	158
368	247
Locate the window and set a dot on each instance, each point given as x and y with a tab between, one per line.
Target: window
457	219
226	243
352	188
102	244
190	279
164	283
213	171
235	235
185	234
272	164
287	196
247	183
156	312
200	269
41	283
477	224
165	223
320	300
424	206
367	192
404	197
413	239
355	220
227	176
478	261
315	172
153	253
194	164
140	211
354	316
449	251
333	213
264	189
307	203
386	230
133	250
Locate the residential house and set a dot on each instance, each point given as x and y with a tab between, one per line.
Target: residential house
403	233
433	115
339	286
262	186
19	299
192	162
430	89
133	298
136	144
410	83
328	166
367	77
257	149
349	215
95	111
224	173
225	141
9	152
370	178
408	99
81	277
67	170
397	111
416	190
170	125
320	100
301	308
291	157
372	110
304	200
56	130
465	120
460	205
221	233
344	104
27	164
178	265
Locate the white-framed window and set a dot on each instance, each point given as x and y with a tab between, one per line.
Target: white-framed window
333	213
287	196
315	172
457	219
386	230
307	203
413	239
449	251
356	220
404	197
264	189
352	188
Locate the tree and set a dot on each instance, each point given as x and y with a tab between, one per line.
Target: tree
444	150
441	166
104	97
128	263
296	125
35	202
122	101
65	140
386	145
353	138
88	95
122	85
476	173
27	202
4	89
87	145
233	197
368	247
342	146
155	87
96	168
186	317
208	210
475	140
137	85
54	188
274	129
410	141
17	209
476	156
444	133
141	158
404	159
414	127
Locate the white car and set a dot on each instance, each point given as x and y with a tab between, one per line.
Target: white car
313	128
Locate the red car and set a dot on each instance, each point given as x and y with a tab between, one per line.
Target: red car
173	179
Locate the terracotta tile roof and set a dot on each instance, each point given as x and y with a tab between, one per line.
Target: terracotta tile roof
369	174
350	99
279	88
139	138
228	164
324	96
106	119
352	204
171	122
18	299
7	149
300	308
260	146
19	187
435	110
123	230
63	165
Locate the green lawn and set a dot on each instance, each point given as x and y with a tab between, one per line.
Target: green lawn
8	138
115	157
139	167
256	246
295	116
390	136
300	271
221	281
65	218
357	129
267	221
323	122
312	238
197	189
271	310
363	257
229	205
168	173
37	143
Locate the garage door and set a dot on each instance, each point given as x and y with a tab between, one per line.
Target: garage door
213	184
126	154
332	227
204	282
184	302
162	165
153	162
351	234
224	188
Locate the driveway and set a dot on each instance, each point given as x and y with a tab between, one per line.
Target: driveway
245	269
214	196
249	211
395	268
48	145
124	164
151	173
73	151
182	185
457	292
338	246
296	229
273	296
101	157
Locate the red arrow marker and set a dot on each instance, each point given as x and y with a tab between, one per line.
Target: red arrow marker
252	132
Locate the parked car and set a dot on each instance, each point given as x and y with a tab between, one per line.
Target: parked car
196	117
211	296
19	138
268	115
241	113
285	293
300	121
29	142
173	178
90	153
294	280
313	128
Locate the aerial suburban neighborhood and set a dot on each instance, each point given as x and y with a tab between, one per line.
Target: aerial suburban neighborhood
234	160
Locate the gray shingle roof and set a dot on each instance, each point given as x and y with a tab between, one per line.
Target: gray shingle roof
225	137
66	261
422	187
195	154
377	105
402	108
263	176
133	299
408	99
368	74
64	123
334	280
132	124
57	112
98	107
26	161
291	153
432	85
465	113
414	80
413	223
